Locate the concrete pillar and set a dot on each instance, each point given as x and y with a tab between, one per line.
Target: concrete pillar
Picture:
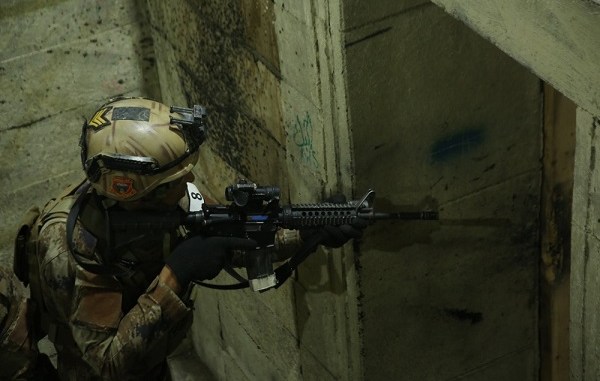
270	75
585	245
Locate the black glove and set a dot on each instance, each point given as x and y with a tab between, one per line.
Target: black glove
200	258
336	236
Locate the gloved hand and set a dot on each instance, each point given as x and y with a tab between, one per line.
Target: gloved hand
200	258
336	236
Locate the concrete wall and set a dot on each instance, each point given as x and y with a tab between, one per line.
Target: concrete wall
440	117
269	75
558	40
60	60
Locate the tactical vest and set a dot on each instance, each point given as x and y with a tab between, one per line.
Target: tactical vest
26	261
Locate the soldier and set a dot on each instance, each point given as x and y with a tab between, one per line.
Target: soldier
115	305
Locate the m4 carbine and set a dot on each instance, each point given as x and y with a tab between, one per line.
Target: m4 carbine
255	213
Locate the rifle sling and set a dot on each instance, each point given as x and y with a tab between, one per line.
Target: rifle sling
96	268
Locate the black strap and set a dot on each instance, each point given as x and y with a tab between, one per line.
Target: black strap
96	268
235	286
283	272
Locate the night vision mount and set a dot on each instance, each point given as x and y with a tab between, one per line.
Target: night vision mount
192	123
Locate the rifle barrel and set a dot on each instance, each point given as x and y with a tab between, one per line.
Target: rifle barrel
422	215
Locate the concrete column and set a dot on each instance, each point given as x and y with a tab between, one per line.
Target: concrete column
270	75
585	246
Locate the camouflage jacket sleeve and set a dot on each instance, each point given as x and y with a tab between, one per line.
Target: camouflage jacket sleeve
17	347
113	343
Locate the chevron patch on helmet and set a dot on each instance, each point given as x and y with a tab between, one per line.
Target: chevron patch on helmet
99	119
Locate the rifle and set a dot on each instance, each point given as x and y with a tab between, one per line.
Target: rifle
255	213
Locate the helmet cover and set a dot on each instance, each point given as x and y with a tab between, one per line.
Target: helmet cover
132	145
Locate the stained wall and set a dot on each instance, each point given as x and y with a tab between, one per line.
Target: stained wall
398	97
316	97
558	42
269	74
442	119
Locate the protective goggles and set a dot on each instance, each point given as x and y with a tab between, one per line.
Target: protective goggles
192	127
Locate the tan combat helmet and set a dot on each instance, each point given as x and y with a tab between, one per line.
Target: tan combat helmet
133	145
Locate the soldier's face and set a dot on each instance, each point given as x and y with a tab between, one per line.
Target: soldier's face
176	190
165	197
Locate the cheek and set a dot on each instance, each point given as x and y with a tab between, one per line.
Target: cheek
175	194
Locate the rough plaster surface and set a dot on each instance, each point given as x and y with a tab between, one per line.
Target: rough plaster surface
441	118
65	20
557	40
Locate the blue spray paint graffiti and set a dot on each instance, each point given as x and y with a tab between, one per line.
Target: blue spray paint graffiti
456	145
302	135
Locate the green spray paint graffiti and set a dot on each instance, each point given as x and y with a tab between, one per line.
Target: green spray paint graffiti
302	134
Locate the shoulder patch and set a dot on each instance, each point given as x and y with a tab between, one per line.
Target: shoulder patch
84	241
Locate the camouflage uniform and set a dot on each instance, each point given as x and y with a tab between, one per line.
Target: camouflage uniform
104	327
138	152
18	351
